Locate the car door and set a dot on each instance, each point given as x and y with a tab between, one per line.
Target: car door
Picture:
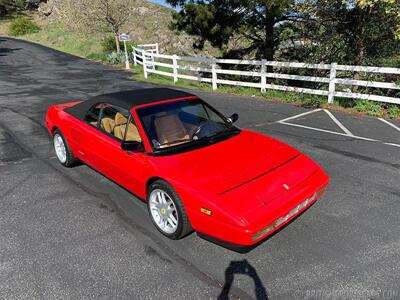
125	168
83	133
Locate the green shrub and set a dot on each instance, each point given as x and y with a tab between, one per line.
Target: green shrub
346	102
22	26
108	44
369	107
394	111
313	101
114	58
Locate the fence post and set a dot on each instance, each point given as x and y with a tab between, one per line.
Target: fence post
153	61
214	75
134	56
175	64
157	48
332	81
144	64
263	75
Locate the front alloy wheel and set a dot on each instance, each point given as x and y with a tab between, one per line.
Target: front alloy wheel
163	211
167	211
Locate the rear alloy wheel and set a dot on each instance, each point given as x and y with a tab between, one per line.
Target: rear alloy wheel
63	152
167	211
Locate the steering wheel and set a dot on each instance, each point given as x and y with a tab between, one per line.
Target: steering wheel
202	127
198	130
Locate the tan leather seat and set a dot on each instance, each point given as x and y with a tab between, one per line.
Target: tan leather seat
120	127
120	119
131	135
107	124
170	129
120	124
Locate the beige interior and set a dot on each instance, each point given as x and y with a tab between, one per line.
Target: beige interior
117	127
169	129
131	135
120	124
108	124
120	119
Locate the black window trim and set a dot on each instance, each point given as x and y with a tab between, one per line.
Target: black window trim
130	118
100	117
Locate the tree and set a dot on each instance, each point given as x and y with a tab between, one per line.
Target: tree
11	6
253	23
392	7
99	15
346	32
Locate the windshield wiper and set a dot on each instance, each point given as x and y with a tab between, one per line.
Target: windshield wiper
228	131
175	142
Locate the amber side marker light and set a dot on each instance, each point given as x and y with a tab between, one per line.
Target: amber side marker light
206	211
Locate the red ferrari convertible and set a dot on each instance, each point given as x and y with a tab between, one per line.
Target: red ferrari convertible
196	170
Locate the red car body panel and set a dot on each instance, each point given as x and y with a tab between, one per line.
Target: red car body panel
248	181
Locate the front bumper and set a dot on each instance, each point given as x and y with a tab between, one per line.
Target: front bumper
269	219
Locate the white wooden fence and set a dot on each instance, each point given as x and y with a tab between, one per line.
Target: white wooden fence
148	56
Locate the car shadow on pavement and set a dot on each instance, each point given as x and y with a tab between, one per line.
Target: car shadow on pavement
245	268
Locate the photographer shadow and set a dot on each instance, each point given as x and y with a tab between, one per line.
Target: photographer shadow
242	267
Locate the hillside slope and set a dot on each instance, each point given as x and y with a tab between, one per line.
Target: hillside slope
148	24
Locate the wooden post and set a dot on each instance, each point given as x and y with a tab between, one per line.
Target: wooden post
332	81
157	48
127	65
144	64
263	75
175	70
214	75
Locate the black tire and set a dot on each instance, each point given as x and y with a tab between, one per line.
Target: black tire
184	226
71	160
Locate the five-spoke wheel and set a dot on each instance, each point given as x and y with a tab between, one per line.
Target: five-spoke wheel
63	152
163	211
167	211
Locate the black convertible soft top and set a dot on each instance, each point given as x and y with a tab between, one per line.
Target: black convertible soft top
127	99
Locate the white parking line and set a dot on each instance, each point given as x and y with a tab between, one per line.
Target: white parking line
332	132
338	122
392	144
390	124
299	115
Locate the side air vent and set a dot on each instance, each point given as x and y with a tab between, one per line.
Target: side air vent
76	135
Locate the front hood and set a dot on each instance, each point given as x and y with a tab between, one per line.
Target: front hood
224	166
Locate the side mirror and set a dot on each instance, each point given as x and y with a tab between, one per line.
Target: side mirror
232	119
133	146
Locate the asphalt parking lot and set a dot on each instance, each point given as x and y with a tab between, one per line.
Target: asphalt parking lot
73	234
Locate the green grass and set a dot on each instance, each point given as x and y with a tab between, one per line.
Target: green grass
394	111
57	37
370	108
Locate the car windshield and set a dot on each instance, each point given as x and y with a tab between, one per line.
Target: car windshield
182	122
